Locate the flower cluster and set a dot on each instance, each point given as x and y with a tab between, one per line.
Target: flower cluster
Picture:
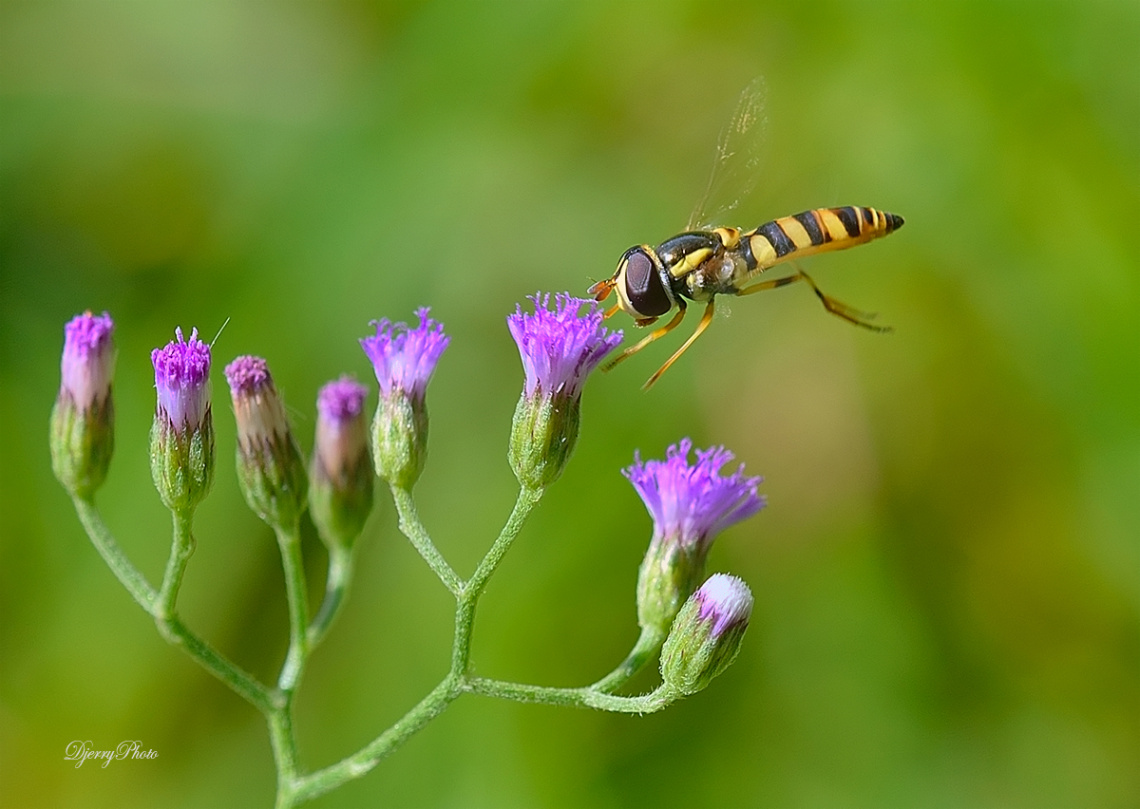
693	629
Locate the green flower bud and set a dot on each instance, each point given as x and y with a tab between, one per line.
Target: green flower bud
706	634
543	435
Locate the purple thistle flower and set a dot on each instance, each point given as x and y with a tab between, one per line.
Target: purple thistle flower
341	431
725	601
88	361
258	409
692	504
560	348
182	435
340	494
404	358
271	473
182	376
82	419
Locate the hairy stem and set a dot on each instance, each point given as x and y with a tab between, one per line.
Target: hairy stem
646	648
413	529
127	574
296	591
336	587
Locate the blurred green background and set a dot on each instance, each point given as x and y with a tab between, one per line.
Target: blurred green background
947	576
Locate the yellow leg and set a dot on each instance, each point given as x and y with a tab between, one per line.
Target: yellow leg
706	319
661	332
837	308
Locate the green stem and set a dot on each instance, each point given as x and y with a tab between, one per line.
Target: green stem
245	685
181	549
413	529
127	574
646	648
284	746
171	627
296	591
524	504
468	597
356	765
336	587
574	697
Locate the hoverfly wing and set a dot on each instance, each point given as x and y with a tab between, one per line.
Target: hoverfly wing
736	167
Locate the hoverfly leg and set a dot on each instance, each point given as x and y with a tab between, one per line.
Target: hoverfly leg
706	319
837	308
840	309
661	332
613	310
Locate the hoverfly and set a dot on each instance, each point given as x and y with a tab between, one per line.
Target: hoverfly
706	261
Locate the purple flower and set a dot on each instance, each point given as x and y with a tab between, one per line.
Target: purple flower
341	482
404	358
182	435
692	504
258	409
560	348
724	601
82	419
341	431
182	376
271	473
88	361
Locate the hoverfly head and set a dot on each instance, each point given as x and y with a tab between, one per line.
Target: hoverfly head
641	284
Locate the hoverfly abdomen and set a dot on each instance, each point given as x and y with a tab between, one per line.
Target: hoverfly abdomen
816	231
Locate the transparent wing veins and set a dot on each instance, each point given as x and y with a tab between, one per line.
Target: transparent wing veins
736	167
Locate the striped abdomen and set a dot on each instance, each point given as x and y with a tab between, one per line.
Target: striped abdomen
814	231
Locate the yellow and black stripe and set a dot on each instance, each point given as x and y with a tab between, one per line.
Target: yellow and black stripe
816	231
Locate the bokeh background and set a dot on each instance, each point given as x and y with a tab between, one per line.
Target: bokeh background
947	577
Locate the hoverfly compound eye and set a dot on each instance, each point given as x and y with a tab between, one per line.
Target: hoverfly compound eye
644	287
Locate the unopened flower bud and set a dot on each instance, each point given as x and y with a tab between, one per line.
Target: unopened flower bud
341	476
182	436
270	470
559	349
706	634
82	420
690	505
404	360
